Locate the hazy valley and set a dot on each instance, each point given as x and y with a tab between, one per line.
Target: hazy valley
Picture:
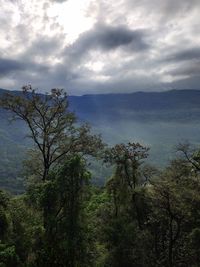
157	120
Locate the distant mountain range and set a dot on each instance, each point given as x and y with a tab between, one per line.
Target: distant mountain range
157	119
155	105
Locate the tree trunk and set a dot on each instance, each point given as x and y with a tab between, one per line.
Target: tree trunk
170	248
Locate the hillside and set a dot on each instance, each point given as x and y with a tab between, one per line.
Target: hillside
158	119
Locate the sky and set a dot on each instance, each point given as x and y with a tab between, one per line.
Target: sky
100	46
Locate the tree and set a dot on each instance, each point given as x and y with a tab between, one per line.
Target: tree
52	126
3	216
57	139
175	215
190	155
124	216
65	239
127	178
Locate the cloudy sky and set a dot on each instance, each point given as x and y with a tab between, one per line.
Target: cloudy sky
100	46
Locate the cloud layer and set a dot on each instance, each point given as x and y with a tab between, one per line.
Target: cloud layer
90	46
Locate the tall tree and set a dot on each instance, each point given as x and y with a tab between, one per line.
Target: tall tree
56	136
52	126
127	178
124	216
65	193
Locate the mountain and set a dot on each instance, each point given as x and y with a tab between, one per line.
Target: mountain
155	105
159	120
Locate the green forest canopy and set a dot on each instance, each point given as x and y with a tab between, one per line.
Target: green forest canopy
141	217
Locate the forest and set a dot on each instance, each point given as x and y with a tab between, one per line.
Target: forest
142	216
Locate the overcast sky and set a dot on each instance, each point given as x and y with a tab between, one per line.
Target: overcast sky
97	46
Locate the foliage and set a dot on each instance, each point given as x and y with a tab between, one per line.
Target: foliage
51	126
141	218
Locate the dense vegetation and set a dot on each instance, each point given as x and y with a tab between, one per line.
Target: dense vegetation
142	217
159	120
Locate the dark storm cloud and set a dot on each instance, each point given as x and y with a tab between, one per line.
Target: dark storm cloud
184	55
184	65
8	65
107	38
191	70
21	68
188	71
